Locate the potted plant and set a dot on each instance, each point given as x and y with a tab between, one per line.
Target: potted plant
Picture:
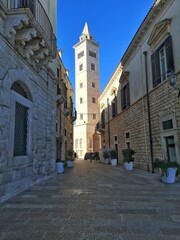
60	166
128	155
106	155
168	170
114	157
70	158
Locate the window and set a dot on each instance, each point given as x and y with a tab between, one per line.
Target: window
167	124
114	107
20	128
81	54
93	66
81	85
80	67
93	100
93	84
81	100
76	143
81	116
65	132
171	151
94	116
92	54
20	134
127	135
162	61
125	96
115	138
103	118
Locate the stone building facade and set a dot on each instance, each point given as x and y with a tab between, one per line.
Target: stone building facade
87	94
66	113
148	108
27	93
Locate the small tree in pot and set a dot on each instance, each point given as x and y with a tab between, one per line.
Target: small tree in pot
70	158
114	157
168	170
128	155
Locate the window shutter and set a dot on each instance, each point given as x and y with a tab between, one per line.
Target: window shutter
156	75
128	95
122	98
169	53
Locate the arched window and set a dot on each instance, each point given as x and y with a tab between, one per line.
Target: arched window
80	143
21	103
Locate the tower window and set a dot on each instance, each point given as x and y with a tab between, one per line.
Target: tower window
81	85
94	116
93	66
81	100
81	116
93	85
81	54
92	54
80	67
93	100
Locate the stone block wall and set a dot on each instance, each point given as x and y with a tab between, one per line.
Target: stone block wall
163	102
15	177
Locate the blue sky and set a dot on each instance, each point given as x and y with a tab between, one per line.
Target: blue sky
112	23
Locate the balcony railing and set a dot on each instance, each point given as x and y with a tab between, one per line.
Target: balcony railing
40	16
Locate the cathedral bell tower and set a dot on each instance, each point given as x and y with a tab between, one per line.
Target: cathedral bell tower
87	91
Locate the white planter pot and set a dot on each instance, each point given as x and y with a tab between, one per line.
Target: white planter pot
171	176
60	167
113	162
128	166
70	163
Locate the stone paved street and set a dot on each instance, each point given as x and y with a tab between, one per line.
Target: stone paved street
94	201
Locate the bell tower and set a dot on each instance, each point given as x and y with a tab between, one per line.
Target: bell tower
87	89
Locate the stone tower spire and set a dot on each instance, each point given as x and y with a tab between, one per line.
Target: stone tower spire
86	33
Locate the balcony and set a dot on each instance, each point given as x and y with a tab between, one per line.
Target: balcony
74	115
28	29
100	127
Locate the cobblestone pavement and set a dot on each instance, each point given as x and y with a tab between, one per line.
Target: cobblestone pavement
94	201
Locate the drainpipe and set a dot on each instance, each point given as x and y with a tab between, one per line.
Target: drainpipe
108	123
148	109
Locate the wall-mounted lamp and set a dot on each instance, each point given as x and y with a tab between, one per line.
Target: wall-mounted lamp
172	79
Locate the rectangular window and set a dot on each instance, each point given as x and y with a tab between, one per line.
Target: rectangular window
20	134
93	85
125	96
81	54
171	151
103	118
93	66
167	124
80	67
94	116
81	116
92	54
81	85
127	135
93	100
114	107
81	100
162	61
115	138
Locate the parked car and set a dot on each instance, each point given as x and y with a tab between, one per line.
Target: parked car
89	155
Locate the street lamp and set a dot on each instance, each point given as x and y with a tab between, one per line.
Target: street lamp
172	79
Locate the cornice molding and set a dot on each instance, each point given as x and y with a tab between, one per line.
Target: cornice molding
157	7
